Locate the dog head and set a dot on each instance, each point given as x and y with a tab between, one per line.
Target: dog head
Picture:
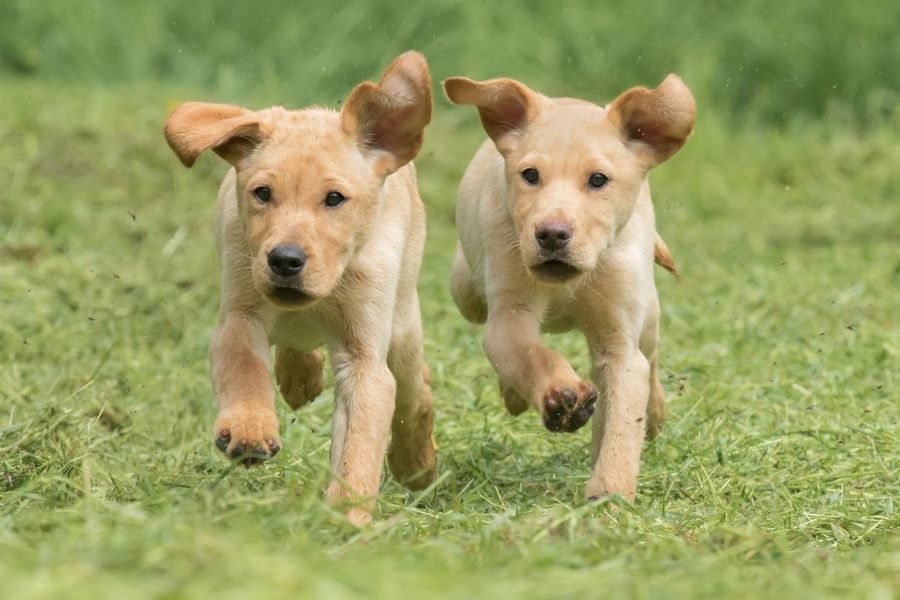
574	170
310	183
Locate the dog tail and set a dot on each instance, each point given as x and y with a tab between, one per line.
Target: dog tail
663	257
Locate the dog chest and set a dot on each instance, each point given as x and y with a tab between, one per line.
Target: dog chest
300	330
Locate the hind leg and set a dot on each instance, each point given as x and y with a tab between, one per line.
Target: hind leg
299	375
656	407
411	455
473	307
468	300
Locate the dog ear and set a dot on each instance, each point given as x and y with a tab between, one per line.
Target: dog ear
505	105
231	131
390	117
655	123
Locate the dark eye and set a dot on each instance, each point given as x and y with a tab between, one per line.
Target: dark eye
263	193
334	199
598	180
531	175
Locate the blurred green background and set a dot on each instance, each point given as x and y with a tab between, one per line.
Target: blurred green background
769	61
776	475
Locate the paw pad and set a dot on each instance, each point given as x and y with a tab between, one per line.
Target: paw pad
247	452
567	409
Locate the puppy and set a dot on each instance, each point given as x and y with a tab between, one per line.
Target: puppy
320	232
557	232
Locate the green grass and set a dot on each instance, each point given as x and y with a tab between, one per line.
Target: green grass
775	475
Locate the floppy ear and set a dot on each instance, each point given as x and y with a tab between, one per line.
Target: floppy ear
231	131
390	117
505	105
655	123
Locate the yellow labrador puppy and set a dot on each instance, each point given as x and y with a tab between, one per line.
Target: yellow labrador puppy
557	232
320	231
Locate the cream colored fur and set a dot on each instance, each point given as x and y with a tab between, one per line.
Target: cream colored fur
356	293
600	283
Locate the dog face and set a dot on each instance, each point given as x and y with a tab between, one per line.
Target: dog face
310	183
574	170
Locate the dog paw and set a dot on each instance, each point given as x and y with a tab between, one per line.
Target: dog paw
654	428
567	409
416	468
248	436
357	510
299	375
656	416
515	403
598	490
358	517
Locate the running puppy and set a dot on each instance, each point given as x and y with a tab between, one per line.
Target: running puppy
557	233
320	232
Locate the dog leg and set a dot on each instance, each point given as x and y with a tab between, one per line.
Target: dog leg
299	375
473	307
411	455
470	303
618	431
656	407
363	408
247	427
513	345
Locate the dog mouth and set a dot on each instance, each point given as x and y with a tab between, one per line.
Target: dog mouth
555	270
290	297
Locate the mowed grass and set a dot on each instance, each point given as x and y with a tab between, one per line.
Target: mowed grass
776	473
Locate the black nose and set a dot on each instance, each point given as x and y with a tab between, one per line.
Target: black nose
287	261
553	235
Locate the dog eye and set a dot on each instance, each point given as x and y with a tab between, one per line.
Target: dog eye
334	199
598	180
531	175
262	193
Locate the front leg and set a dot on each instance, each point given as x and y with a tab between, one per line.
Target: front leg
299	374
363	410
618	432
513	345
239	354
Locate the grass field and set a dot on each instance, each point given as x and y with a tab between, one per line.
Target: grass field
775	476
